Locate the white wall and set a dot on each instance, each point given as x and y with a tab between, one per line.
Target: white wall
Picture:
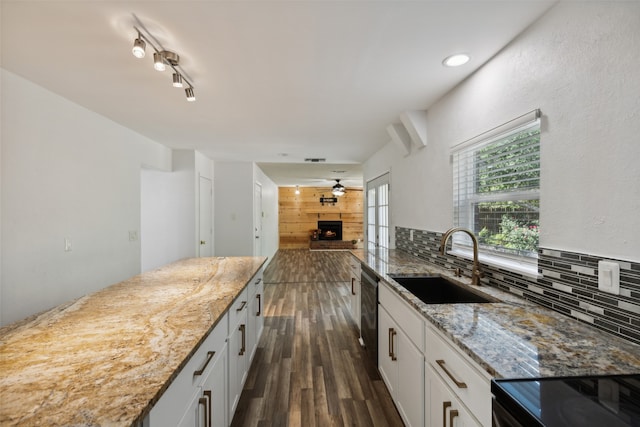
166	232
579	64
234	206
66	172
170	209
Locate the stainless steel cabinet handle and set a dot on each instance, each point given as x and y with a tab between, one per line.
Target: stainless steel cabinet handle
244	303
259	280
445	405
210	355
353	291
460	384
259	304
243	330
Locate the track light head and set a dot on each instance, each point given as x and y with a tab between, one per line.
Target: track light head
190	95
158	62
139	46
177	80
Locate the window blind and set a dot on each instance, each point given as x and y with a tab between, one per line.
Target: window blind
496	182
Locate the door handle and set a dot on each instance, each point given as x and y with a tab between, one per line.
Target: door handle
259	304
452	415
445	405
243	330
458	383
207	394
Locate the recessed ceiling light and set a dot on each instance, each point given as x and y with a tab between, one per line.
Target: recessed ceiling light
456	60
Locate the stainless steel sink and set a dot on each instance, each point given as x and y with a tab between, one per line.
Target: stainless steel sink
439	290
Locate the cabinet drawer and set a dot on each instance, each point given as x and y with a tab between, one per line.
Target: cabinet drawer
238	308
404	315
255	283
354	264
171	406
467	380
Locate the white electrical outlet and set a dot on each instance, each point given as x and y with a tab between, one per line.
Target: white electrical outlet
609	277
67	244
133	235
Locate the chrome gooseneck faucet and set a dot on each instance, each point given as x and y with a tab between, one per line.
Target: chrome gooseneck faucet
476	274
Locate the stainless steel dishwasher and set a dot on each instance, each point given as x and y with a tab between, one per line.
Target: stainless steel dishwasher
369	312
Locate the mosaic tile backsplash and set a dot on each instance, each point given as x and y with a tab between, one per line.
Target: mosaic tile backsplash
569	284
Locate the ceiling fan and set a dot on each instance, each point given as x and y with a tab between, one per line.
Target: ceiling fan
338	189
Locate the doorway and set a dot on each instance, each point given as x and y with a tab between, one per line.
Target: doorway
205	217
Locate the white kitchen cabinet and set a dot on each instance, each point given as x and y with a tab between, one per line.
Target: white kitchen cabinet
255	315
443	408
354	269
237	348
460	376
179	403
214	391
401	359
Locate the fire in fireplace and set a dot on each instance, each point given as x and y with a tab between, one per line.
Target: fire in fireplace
330	230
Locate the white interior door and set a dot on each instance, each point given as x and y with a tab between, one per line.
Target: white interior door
257	220
205	220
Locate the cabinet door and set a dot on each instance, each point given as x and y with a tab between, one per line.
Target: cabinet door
255	319
387	350
410	389
194	416
238	357
443	408
355	299
214	391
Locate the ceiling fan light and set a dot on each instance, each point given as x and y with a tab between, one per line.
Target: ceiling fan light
177	80
338	189
158	62
139	47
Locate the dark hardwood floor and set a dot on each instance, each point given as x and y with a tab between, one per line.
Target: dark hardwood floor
309	368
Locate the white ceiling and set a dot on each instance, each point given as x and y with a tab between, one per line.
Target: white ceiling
272	78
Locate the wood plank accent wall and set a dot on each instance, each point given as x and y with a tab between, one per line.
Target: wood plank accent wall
299	214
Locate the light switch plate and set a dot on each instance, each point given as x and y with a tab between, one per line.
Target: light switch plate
609	277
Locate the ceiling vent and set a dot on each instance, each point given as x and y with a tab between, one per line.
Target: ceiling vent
314	160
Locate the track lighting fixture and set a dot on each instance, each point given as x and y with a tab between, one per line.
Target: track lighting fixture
162	59
138	47
158	62
177	80
190	95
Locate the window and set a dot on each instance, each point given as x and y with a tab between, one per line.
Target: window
496	194
378	212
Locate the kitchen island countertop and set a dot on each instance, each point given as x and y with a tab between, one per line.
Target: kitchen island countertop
513	338
106	358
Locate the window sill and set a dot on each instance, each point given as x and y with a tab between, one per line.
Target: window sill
527	269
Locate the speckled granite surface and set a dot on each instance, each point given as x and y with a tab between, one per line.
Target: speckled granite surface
513	338
105	358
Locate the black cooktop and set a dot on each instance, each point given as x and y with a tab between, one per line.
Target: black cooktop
608	401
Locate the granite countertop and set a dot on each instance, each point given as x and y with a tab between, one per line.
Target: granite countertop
106	358
513	338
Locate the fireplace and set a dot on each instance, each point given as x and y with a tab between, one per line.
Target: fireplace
330	230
